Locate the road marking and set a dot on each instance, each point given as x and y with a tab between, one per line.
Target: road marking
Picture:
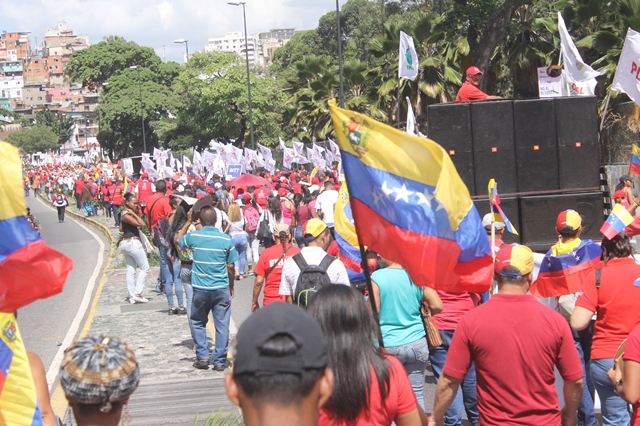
54	368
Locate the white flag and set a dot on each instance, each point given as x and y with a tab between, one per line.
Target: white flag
266	152
282	145
574	67
628	72
178	165
408	62
584	88
411	119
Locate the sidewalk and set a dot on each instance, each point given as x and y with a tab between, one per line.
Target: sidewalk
171	390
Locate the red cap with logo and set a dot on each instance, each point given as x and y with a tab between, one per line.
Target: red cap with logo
474	71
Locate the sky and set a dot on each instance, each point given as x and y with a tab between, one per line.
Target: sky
157	23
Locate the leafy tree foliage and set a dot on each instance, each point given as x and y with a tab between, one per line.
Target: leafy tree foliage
35	139
61	126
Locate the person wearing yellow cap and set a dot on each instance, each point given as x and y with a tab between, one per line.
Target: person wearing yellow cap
311	258
515	343
469	90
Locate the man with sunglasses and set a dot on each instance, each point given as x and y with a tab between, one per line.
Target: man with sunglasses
470	91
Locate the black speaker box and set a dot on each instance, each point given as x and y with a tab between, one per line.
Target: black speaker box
538	214
510	207
450	126
577	131
536	145
493	147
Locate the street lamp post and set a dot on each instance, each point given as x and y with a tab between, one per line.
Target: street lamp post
246	52
144	137
186	45
340	55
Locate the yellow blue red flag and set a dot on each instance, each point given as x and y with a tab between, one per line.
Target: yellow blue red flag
634	167
29	269
498	214
345	232
410	205
18	401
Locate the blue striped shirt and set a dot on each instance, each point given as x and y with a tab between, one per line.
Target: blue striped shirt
212	252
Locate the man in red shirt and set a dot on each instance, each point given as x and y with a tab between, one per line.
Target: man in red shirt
515	343
469	90
144	189
158	207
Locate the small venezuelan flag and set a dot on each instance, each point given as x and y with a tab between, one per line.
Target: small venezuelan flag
345	232
410	205
619	219
29	269
634	167
18	401
498	213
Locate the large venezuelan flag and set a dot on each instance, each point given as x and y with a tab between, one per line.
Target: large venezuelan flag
345	232
410	205
18	401
29	269
565	274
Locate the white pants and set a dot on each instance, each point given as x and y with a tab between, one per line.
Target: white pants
134	255
252	249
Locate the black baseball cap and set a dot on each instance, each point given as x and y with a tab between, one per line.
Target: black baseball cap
273	320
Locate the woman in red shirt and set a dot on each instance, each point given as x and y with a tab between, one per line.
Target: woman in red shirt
371	387
616	301
627	384
268	269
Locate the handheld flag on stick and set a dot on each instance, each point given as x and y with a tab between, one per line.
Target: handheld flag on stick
125	189
634	167
498	213
408	66
313	173
18	401
410	205
30	270
619	219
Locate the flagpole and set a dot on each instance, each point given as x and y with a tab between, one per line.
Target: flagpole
604	112
398	113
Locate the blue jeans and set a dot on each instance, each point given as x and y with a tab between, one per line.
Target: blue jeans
615	411
88	210
297	234
219	303
116	214
413	357
241	243
466	396
185	277
586	410
172	276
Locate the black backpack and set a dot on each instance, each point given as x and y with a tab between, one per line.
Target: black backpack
59	200
311	279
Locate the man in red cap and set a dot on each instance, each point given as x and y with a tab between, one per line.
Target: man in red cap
469	90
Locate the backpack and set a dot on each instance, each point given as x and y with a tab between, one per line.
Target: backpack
253	217
224	200
59	200
311	279
158	232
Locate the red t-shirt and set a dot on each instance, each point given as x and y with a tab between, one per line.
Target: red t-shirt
632	353
158	206
401	400
515	341
261	195
469	92
616	303
455	306
268	258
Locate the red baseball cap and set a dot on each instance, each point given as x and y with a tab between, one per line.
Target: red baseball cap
473	71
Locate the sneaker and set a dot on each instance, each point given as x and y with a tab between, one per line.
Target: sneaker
139	299
131	300
201	364
182	310
219	367
174	311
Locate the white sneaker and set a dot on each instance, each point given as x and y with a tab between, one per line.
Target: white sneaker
140	299
131	300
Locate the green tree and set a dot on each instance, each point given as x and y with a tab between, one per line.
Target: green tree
61	126
97	64
35	139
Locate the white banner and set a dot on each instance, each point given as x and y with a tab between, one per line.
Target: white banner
408	65
574	67
628	72
411	119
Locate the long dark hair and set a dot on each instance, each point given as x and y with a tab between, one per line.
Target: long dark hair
618	246
351	332
274	207
179	219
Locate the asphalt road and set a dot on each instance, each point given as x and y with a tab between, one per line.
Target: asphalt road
45	323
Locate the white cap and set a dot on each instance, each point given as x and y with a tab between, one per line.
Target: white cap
486	222
217	185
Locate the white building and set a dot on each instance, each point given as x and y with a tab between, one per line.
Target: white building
234	42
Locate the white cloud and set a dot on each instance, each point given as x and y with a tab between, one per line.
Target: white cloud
156	23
